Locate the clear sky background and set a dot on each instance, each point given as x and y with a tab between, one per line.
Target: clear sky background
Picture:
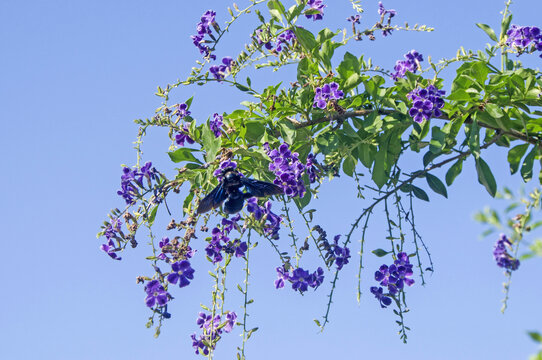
74	74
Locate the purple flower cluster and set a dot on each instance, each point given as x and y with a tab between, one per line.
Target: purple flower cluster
220	71
285	39
316	5
523	37
287	168
221	243
301	279
203	28
212	329
182	272
383	12
182	111
426	103
341	254
272	226
183	136
156	294
312	169
394	277
411	63
216	123
131	180
223	165
174	248
325	93
111	232
501	255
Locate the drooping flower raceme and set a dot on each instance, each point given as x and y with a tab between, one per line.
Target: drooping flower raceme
272	225
411	63
316	5
212	328
132	180
323	94
285	39
394	277
501	255
220	241
287	168
312	169
204	28
216	123
524	38
300	278
426	103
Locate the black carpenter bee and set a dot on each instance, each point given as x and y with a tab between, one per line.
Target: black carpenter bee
229	189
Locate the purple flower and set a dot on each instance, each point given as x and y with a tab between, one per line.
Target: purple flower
501	255
230	321
182	110
109	249
155	294
316	278
411	63
382	11
283	275
254	208
426	103
316	5
220	71
378	292
216	123
354	19
524	38
182	272
327	92
300	280
183	136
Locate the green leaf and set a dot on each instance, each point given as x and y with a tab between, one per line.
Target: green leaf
494	110
485	176
419	193
255	131
183	154
380	252
505	24
152	215
242	87
349	165
275	14
306	39
488	30
436	185
527	166
454	171
211	143
474	139
515	155
535	336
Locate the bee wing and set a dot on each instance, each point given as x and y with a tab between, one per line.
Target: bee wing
260	188
213	200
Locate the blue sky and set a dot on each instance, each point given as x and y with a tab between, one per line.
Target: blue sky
75	75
